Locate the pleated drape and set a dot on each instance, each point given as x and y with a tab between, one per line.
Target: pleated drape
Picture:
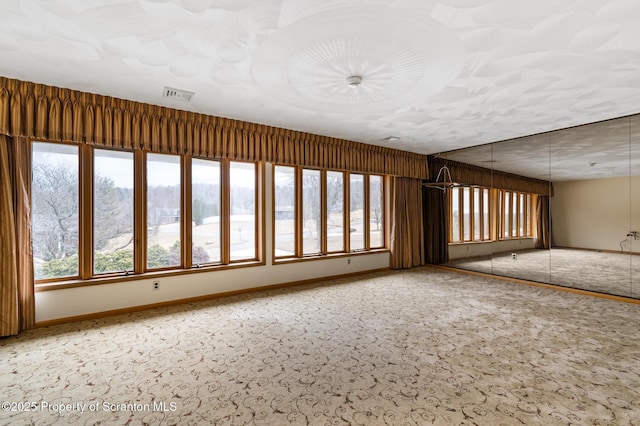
17	299
543	222
407	243
32	110
435	221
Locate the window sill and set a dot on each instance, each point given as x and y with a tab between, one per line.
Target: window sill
462	243
112	279
287	260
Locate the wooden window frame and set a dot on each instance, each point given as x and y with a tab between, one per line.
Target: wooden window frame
519	218
382	212
86	174
346	183
473	225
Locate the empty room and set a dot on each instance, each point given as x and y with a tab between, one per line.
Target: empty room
305	212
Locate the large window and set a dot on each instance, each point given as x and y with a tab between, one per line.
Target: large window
242	208
516	212
311	221
163	211
356	212
55	208
335	212
469	217
284	211
376	211
113	218
206	224
312	216
100	212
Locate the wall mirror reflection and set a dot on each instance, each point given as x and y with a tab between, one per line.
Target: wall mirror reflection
561	207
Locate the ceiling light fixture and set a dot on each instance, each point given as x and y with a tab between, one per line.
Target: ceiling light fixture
391	138
445	183
354	81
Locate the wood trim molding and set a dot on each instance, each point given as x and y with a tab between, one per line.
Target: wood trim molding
103	314
542	285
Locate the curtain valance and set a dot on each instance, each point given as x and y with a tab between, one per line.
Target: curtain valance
475	175
33	110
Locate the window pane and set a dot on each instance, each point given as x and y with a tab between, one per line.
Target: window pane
242	185
284	211
376	210
205	211
163	211
55	203
455	214
506	215
529	215
311	211
466	207
356	210
485	212
335	211
477	218
523	206
514	214
112	211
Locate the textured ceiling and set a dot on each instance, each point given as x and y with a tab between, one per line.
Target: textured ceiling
594	151
439	75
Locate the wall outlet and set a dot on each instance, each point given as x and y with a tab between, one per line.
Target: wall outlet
514	256
348	261
156	285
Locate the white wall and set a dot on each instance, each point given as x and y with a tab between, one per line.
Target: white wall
596	213
70	302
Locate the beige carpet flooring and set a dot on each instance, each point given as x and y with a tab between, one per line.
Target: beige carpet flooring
417	347
610	273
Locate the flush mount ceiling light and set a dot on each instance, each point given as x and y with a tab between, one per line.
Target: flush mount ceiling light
354	81
391	138
305	63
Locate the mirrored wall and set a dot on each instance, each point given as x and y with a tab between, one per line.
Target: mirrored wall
591	240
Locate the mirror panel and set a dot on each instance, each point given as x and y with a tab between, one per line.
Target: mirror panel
594	208
516	253
476	255
634	240
590	207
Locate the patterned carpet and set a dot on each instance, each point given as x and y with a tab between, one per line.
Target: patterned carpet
417	347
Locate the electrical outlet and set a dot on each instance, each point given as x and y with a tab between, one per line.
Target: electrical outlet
156	285
514	256
348	261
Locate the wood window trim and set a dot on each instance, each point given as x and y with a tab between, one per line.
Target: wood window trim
486	227
346	225
258	205
86	176
382	213
327	213
85	204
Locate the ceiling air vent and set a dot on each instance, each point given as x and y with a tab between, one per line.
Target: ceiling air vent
177	94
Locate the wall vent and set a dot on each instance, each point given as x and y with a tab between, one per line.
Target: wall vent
178	94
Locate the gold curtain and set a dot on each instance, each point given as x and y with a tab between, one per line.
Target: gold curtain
407	242
475	175
543	225
435	212
17	299
32	110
